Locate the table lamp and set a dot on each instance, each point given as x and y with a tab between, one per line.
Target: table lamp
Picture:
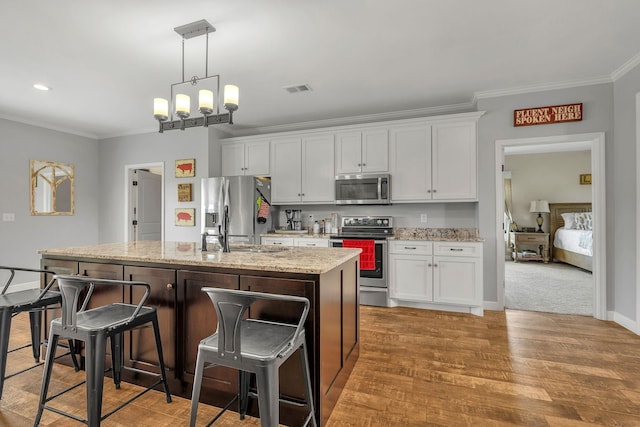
539	206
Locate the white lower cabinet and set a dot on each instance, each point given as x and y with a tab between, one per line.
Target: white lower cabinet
410	270
436	273
310	242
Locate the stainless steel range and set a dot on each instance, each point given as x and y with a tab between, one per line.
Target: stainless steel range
369	233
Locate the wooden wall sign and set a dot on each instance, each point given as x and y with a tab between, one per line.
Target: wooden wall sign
546	115
185	192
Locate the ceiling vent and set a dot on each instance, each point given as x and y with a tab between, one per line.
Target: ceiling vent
297	88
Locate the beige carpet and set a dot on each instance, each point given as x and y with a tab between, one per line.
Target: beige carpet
552	288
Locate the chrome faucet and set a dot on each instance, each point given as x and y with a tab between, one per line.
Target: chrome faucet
204	242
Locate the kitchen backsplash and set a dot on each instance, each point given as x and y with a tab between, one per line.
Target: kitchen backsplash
439	215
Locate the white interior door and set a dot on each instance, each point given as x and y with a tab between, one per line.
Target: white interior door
146	205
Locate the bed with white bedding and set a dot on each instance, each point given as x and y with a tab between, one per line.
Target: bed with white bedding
572	234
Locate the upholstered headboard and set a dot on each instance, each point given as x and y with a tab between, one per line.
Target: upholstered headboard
557	209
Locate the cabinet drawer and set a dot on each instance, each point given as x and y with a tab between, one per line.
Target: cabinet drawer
311	242
414	247
540	239
457	249
280	241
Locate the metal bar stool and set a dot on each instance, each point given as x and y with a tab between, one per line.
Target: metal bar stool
252	346
33	301
93	327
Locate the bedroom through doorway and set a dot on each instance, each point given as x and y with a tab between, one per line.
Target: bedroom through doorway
535	274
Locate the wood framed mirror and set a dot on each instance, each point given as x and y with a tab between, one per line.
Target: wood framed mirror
52	188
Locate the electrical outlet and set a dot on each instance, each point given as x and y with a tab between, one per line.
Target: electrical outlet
8	217
423	218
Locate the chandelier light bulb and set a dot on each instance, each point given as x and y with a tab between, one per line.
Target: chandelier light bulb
205	101
160	109
231	97
183	105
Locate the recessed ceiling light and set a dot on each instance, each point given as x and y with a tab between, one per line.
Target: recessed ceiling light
40	86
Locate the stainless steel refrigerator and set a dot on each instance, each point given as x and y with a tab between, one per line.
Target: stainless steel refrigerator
248	199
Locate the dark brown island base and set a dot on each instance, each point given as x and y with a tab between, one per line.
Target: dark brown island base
177	271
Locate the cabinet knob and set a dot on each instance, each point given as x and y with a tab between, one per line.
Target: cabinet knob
169	286
359	164
364	164
428	191
435	265
434	190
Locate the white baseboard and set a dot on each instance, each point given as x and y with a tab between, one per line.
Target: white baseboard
623	321
493	306
16	287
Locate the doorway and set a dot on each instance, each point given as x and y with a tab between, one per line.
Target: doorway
594	142
144	202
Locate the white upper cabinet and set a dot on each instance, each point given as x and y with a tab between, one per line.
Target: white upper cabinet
410	162
286	162
453	147
303	169
364	151
434	161
318	172
245	158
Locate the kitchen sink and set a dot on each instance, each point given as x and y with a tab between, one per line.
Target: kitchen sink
258	250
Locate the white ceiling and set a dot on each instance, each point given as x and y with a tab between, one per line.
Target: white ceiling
107	60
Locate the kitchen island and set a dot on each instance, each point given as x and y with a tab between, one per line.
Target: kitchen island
177	271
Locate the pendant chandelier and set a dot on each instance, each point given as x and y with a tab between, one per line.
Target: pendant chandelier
206	89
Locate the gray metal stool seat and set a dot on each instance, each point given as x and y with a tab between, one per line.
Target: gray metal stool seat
33	301
93	327
252	346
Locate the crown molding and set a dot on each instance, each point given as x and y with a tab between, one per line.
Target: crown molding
626	67
49	126
540	88
379	117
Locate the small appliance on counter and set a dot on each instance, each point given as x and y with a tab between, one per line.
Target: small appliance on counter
294	219
248	201
369	234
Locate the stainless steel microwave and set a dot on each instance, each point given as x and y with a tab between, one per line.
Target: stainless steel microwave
363	189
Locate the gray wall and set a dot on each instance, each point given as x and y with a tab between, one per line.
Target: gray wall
23	238
165	148
497	124
622	202
553	177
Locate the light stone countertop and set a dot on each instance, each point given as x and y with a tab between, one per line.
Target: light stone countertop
296	236
286	259
437	234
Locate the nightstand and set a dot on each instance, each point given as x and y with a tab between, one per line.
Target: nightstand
539	240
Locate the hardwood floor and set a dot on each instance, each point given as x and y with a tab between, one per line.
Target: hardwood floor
424	368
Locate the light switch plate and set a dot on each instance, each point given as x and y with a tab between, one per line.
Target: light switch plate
8	217
423	218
